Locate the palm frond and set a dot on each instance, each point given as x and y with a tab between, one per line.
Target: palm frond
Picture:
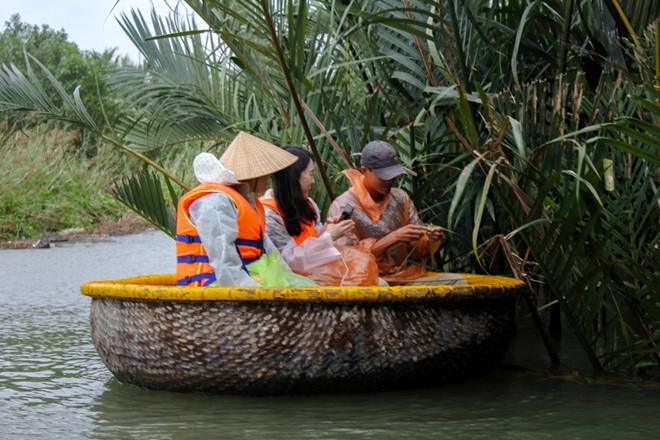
143	193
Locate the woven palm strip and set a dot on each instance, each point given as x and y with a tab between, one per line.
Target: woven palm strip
270	347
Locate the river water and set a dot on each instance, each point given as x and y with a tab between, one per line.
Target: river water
53	384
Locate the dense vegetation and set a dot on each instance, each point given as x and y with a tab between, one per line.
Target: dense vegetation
53	173
533	126
46	188
74	69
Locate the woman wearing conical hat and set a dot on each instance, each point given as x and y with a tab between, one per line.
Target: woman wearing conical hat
220	222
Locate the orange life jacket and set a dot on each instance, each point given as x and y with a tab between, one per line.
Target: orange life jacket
193	268
308	229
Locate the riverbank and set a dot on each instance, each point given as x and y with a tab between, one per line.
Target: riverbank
129	223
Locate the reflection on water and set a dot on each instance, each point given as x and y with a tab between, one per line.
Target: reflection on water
502	406
53	384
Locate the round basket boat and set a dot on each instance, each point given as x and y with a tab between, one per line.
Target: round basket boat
299	340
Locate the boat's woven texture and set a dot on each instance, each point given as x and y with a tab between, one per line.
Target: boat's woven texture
289	347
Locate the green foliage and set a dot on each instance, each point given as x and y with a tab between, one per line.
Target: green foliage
74	69
580	206
143	193
49	188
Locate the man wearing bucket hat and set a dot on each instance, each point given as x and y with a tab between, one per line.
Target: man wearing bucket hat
220	222
386	217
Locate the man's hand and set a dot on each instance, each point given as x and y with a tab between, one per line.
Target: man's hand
410	233
435	232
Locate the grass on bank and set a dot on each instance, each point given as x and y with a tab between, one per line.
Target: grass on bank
46	186
49	184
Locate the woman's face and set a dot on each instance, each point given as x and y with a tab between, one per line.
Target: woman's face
307	179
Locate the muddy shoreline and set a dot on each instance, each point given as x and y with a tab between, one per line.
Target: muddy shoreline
129	223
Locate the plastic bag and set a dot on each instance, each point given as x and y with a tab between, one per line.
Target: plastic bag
311	253
356	267
269	271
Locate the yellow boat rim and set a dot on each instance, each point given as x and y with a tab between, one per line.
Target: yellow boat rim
162	287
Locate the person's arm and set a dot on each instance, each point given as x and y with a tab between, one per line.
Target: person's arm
298	257
343	232
407	234
340	229
215	217
414	234
276	230
429	242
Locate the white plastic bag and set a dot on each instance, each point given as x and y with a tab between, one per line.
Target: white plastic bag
311	253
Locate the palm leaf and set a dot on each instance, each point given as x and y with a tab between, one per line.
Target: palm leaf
143	193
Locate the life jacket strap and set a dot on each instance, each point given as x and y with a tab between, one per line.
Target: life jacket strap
192	259
183	238
252	243
208	276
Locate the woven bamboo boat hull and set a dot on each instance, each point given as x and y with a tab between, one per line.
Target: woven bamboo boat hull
276	341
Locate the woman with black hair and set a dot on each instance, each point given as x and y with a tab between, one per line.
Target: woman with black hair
293	224
290	213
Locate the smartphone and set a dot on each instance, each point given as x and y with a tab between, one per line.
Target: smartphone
348	211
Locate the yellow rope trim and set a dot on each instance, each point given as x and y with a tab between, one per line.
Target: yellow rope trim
163	288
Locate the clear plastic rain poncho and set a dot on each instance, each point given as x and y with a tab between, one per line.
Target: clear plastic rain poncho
313	252
317	258
215	217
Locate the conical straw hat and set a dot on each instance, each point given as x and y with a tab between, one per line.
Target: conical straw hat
250	157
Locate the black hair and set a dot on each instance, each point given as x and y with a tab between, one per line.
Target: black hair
286	190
